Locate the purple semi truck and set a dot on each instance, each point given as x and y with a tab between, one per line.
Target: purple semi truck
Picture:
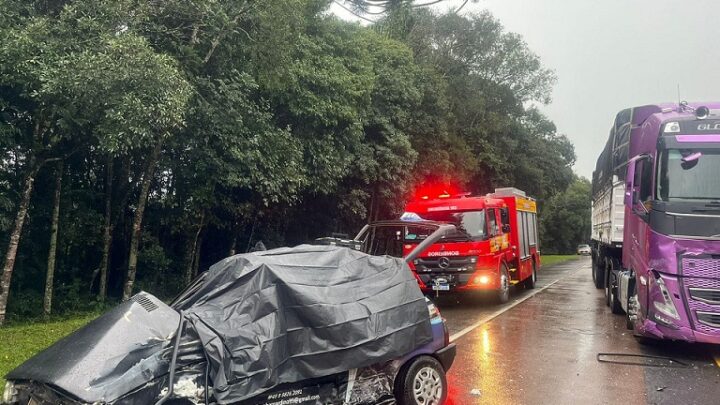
656	221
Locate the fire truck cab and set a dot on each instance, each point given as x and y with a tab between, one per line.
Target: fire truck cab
495	245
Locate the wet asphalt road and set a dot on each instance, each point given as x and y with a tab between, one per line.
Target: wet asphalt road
542	348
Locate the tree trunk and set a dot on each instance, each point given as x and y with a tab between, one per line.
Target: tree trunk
107	230
137	221
193	250
371	212
196	265
233	244
11	252
50	276
252	233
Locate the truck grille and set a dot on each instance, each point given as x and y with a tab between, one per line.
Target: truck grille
700	266
709	318
701	280
445	264
710	296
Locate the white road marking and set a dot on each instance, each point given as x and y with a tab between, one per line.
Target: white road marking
458	335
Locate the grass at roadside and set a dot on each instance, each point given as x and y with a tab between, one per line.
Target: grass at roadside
22	341
549	260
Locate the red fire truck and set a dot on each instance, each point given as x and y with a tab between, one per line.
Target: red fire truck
496	244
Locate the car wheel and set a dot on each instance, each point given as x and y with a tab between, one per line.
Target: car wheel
530	281
422	383
503	294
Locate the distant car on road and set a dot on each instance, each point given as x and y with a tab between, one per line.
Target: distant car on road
584	250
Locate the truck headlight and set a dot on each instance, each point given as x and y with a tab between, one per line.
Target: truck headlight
672	128
9	393
666	306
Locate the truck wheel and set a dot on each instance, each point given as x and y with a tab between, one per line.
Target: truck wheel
529	283
423	382
615	306
613	290
607	282
503	294
598	273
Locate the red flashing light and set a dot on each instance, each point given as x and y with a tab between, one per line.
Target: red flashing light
436	191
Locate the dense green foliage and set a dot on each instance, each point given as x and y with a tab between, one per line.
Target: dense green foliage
192	130
565	222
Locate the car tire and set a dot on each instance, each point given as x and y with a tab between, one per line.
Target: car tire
422	382
503	294
529	283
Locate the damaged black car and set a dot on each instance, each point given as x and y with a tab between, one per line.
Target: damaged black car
303	325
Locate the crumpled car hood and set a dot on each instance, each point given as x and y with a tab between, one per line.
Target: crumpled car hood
117	352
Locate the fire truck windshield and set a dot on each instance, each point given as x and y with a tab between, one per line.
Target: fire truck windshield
686	174
469	224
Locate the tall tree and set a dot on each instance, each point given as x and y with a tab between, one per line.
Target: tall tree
65	83
52	253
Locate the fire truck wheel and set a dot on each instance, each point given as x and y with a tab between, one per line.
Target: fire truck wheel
503	294
530	281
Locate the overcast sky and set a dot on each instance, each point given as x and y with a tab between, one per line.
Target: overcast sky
613	54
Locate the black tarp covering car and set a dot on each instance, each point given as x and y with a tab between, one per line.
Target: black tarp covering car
251	323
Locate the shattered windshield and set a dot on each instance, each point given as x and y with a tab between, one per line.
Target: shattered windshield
689	174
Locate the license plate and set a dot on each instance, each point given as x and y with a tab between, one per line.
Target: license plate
441	287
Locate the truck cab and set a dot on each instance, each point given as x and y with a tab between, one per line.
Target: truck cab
493	247
666	274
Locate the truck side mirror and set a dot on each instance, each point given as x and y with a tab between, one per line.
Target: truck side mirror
630	183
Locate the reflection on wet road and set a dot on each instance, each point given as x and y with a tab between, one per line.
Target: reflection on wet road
542	348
